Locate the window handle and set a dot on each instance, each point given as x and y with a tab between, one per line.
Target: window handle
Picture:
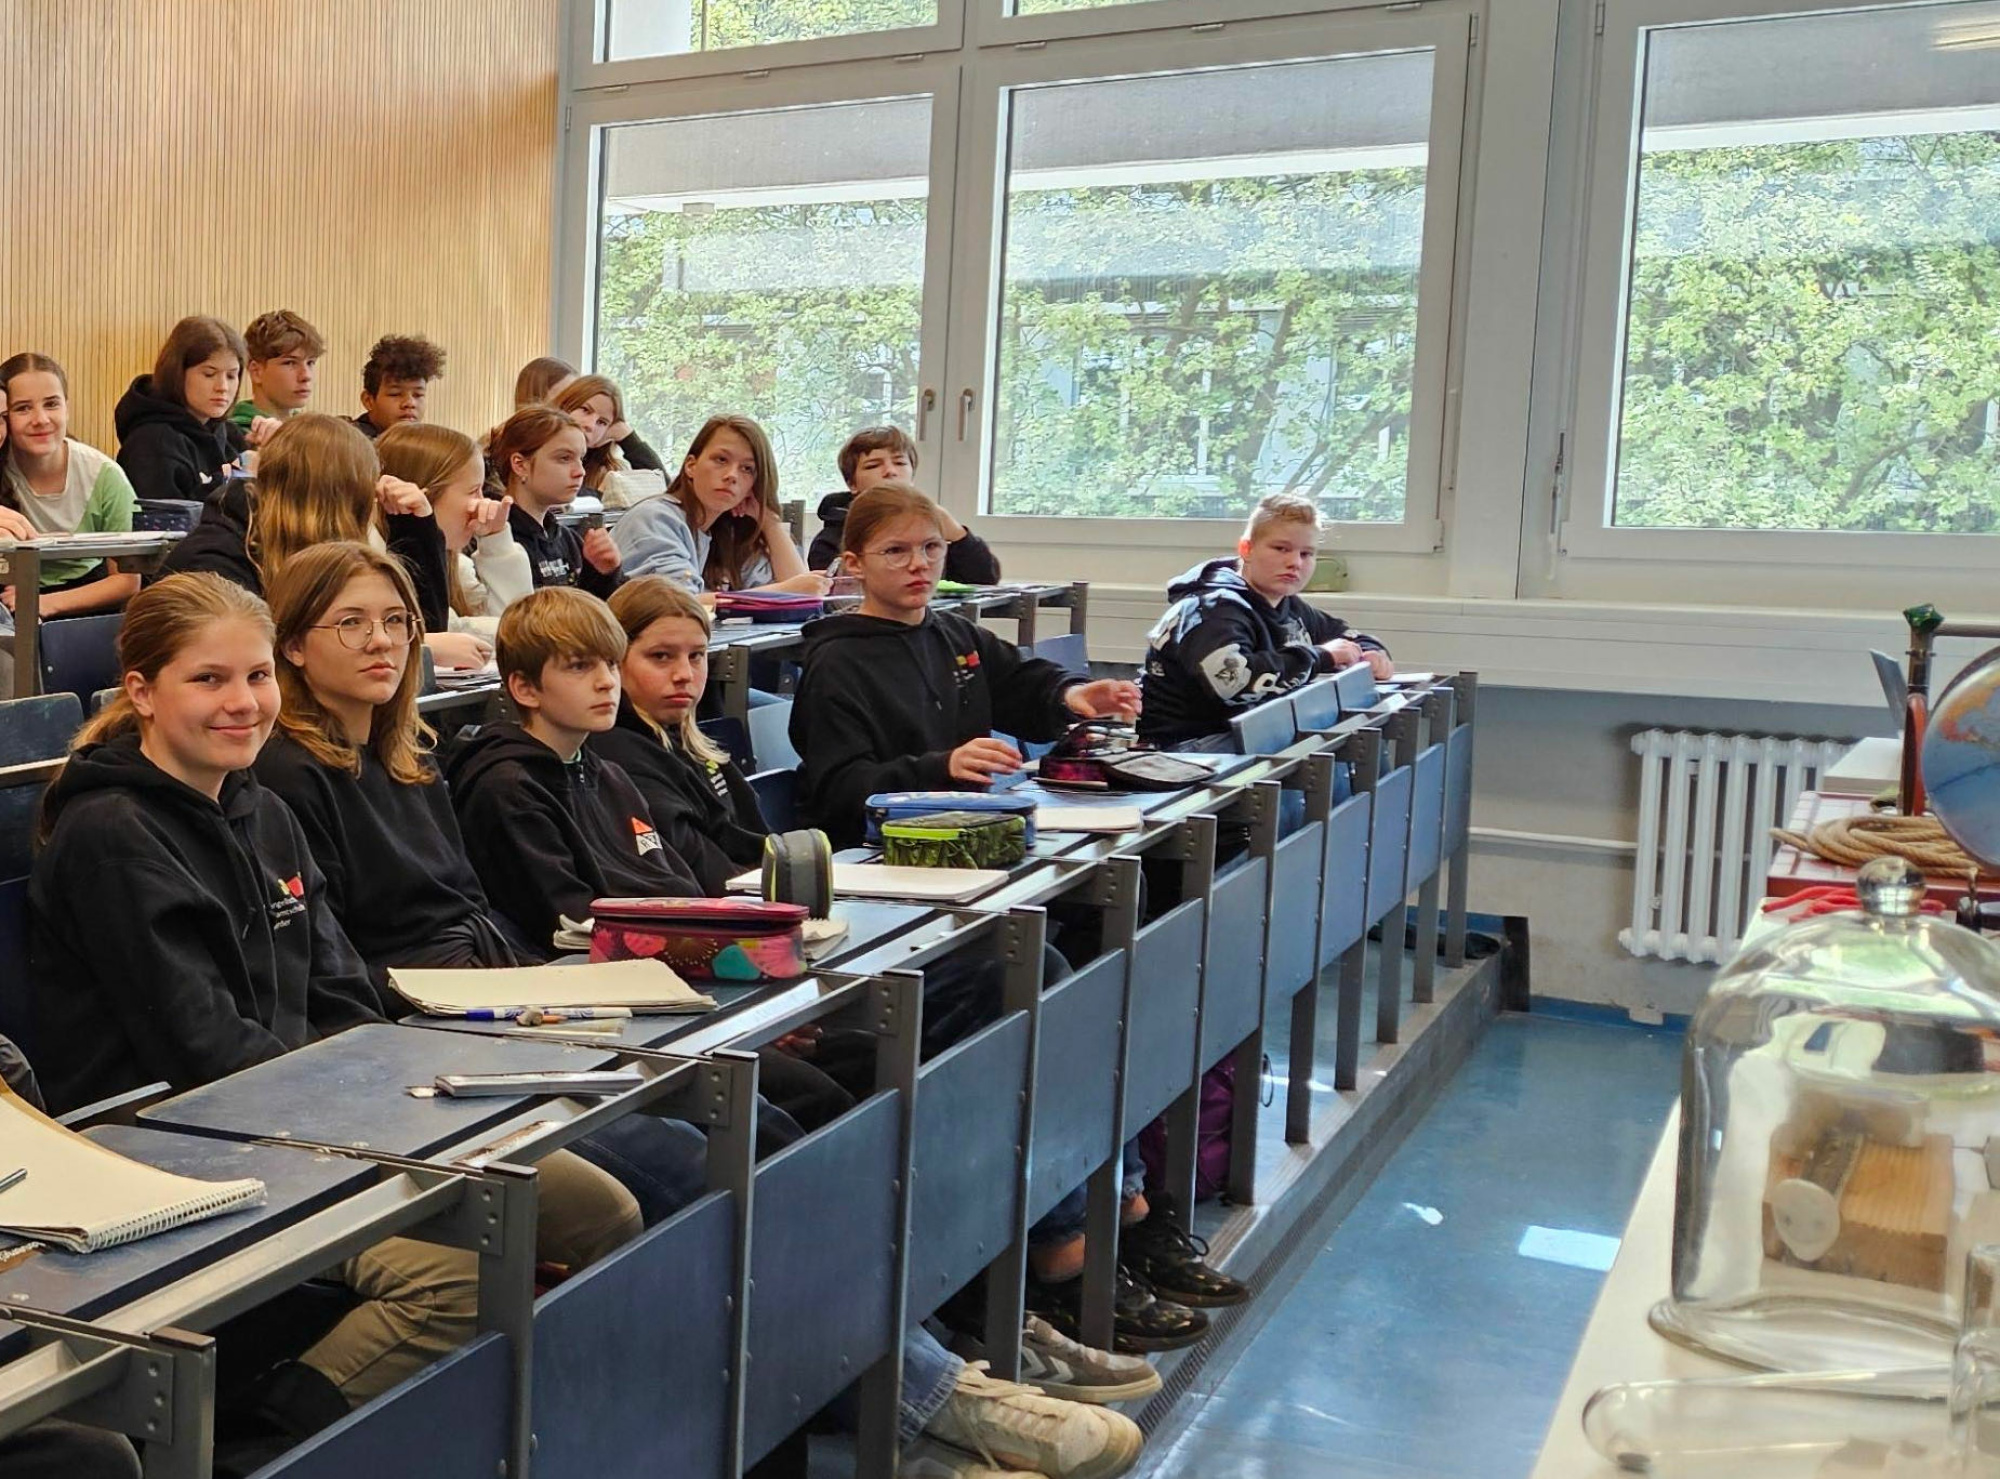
926	403
965	399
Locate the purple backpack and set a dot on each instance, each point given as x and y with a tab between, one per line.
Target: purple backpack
1211	1157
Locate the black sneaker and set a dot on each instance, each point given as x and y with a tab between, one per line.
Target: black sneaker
1141	1321
1171	1260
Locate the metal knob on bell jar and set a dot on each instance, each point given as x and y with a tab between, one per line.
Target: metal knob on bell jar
1890	888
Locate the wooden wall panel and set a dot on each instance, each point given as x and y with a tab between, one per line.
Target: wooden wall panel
380	166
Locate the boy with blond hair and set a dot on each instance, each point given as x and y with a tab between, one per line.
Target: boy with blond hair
548	823
1238	632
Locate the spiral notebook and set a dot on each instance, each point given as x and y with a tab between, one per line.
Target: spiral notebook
85	1198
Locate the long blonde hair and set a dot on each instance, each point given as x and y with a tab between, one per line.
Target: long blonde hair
312	581
638	604
425	453
315	482
160	621
599	460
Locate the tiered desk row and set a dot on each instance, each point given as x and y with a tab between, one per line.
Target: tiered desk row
701	1346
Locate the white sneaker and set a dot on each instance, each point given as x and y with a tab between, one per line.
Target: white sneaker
1009	1424
1075	1372
929	1459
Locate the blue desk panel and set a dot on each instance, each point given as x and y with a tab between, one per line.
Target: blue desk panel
297	1184
353	1090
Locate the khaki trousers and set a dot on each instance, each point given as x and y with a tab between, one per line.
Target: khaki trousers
422	1300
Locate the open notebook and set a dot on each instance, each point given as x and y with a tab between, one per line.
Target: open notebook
647	987
85	1198
884	881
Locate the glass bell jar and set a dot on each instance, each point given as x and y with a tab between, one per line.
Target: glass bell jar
1840	1139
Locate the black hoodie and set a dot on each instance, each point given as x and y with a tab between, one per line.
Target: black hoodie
881	705
1221	648
547	836
174	937
397	877
969	560
555	554
219	541
169	452
707	812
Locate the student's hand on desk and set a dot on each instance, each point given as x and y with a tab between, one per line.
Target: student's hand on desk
978	761
489	517
399	497
14	524
600	551
1106	698
1380	664
458	649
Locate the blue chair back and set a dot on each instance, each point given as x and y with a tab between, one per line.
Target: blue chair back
1266	729
80	654
102	697
771	736
1067	651
778	798
1357	689
1316	705
37	728
733	737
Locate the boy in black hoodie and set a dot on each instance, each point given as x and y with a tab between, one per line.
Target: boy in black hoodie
175	439
548	824
1239	633
897	697
883	454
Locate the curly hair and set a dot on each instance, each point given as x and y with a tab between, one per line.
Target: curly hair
401	357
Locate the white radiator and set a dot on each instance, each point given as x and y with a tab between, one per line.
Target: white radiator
1707	803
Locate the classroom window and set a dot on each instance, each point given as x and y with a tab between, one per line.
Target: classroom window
1811	320
1209	290
648	28
769	263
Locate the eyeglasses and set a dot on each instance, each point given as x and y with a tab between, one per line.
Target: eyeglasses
354	631
928	553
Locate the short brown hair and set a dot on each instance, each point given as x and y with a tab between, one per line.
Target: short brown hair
554	622
1280	508
401	357
884	504
522	434
283	332
191	341
874	439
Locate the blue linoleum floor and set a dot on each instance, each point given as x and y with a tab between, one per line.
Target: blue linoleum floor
1432	1332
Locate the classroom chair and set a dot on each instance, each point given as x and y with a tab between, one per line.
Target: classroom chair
770	728
778	798
1316	706
734	737
79	654
1067	651
31	729
1357	688
1265	729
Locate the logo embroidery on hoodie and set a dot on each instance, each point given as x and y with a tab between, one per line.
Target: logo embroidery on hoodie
289	903
966	667
644	837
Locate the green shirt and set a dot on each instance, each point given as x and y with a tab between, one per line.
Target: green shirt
96	498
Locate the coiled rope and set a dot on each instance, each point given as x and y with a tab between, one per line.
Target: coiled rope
1854	840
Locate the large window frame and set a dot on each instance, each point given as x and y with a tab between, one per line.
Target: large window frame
1605	258
972	368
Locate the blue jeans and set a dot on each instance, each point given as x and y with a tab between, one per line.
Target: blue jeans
930	1372
1066	1218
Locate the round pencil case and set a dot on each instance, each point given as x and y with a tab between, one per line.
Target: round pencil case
740	941
955	839
798	869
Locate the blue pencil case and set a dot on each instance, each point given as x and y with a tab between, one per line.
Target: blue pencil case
901	806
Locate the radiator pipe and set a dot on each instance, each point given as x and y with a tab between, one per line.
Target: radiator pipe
1554	839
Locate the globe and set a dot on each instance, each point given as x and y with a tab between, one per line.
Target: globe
1961	759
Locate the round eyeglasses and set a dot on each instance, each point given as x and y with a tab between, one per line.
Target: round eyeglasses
354	631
